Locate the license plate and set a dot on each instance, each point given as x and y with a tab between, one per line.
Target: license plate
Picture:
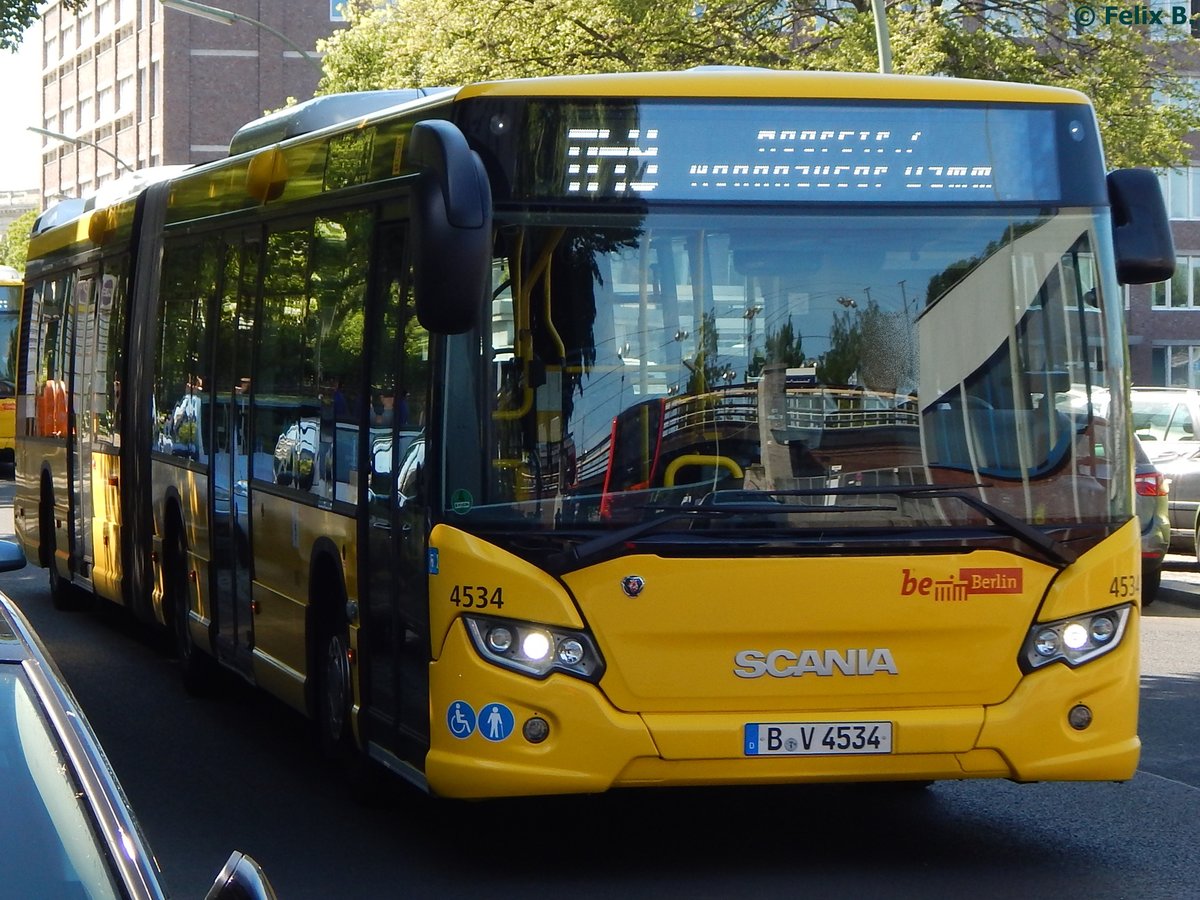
817	738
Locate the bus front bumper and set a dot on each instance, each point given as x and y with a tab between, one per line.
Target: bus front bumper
487	728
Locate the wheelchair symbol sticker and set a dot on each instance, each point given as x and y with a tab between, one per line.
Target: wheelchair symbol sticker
460	718
496	721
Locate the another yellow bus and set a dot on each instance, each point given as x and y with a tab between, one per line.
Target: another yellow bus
711	427
10	308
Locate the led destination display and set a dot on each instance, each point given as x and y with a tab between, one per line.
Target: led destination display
814	153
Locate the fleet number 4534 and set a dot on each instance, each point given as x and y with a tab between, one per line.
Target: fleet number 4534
476	596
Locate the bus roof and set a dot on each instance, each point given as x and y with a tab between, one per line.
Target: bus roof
305	134
742	82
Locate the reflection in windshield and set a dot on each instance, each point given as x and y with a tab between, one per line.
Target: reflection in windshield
666	360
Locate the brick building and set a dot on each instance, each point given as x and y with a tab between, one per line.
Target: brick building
155	86
1164	319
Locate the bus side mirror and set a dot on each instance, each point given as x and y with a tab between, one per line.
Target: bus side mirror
1142	239
241	878
451	228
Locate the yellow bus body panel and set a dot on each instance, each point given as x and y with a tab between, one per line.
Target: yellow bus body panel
670	710
8	421
466	561
741	83
106	526
282	583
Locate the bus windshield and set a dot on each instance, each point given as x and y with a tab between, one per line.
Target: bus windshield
809	361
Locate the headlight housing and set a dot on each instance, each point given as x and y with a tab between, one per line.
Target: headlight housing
535	649
1076	640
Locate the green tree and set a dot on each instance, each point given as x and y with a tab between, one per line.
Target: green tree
840	362
1144	104
784	346
14	243
704	371
17	15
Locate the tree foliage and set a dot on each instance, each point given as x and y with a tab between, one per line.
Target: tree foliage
17	15
14	243
839	363
1144	104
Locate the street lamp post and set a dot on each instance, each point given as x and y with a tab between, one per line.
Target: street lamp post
228	17
882	43
81	142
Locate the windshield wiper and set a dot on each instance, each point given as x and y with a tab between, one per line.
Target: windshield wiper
1018	528
1058	552
703	511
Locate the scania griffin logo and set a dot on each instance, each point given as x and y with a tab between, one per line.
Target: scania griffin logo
822	663
632	585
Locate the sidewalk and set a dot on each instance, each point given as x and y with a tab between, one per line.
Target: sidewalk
1180	582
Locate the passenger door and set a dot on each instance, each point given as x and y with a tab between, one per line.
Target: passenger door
229	488
80	425
395	623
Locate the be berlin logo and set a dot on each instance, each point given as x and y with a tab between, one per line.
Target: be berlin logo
1086	16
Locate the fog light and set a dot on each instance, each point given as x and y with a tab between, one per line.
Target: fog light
536	730
499	639
1080	717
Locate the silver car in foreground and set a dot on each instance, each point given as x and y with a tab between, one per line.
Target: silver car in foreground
67	830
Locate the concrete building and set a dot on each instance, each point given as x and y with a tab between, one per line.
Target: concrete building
14	204
142	85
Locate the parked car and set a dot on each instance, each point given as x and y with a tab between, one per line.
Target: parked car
1151	505
1166	420
67	828
1183	471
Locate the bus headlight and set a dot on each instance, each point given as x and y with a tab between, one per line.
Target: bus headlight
534	649
1076	640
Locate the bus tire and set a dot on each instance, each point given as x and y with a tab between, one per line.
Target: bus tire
365	780
333	689
196	668
62	592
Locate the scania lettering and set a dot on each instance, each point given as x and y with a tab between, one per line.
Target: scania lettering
566	434
785	663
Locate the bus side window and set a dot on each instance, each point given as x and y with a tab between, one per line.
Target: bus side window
338	283
52	347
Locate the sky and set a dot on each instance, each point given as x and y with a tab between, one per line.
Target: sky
21	89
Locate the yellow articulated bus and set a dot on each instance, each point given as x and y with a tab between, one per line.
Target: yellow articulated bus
10	308
710	427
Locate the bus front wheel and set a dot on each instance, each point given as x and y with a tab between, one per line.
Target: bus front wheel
62	592
195	666
333	697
